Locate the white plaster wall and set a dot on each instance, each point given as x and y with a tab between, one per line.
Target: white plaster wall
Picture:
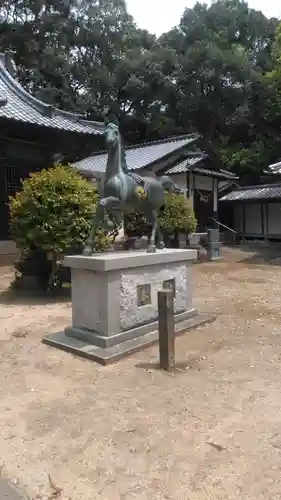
253	223
203	182
145	172
238	219
200	181
274	218
180	180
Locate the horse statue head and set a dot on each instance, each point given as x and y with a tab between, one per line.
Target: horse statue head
112	136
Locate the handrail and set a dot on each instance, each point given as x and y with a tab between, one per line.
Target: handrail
223	225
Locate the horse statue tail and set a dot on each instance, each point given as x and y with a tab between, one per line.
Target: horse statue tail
169	185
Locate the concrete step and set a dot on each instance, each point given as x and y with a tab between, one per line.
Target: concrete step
8	492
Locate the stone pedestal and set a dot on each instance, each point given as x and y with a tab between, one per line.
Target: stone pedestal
114	301
213	245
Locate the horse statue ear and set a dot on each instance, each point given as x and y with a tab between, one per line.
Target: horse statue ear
110	116
106	121
10	63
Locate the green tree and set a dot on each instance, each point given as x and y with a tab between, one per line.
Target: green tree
39	31
222	49
216	72
52	214
251	143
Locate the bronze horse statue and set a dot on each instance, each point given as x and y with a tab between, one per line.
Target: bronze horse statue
122	189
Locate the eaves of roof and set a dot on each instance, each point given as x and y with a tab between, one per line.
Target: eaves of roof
19	105
254	193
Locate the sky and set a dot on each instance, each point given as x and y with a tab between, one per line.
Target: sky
158	16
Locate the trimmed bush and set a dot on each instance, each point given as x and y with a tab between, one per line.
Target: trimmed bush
52	214
176	217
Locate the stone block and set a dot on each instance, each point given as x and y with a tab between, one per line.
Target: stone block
213	235
114	296
214	251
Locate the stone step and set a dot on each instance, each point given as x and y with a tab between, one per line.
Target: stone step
115	353
8	492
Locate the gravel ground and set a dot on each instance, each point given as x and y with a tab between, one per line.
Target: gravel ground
73	430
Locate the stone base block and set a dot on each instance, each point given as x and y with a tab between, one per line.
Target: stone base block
98	340
111	354
114	300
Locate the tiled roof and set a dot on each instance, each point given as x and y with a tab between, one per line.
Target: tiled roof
3	101
184	166
221	174
275	167
264	192
139	156
191	163
22	106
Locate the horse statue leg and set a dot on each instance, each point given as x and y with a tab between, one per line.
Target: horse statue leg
159	238
156	232
99	218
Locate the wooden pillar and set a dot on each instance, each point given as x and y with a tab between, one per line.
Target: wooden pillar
215	196
166	329
4	208
243	222
187	172
215	202
266	220
191	188
262	221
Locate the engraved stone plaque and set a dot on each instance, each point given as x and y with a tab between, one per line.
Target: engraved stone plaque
170	285
143	295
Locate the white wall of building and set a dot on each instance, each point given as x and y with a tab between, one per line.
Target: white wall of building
274	218
253	222
200	181
238	219
254	226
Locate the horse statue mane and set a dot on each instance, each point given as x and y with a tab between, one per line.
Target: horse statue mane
124	158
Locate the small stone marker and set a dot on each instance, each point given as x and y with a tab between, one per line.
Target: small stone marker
166	329
170	285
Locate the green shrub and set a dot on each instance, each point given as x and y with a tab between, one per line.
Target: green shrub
176	217
52	213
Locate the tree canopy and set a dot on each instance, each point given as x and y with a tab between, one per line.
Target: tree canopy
218	72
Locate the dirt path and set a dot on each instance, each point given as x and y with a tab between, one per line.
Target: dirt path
129	431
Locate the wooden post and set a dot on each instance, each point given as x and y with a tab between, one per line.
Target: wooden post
166	329
244	222
266	220
262	221
215	195
191	189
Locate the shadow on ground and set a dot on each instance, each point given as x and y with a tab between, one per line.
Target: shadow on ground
257	254
12	296
180	366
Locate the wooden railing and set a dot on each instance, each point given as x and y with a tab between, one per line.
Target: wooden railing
226	227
